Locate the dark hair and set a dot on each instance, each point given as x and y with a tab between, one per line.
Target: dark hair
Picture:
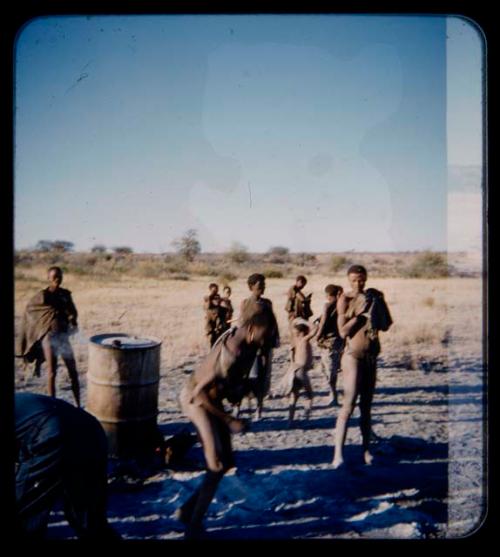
227	288
333	289
54	268
302	328
301	278
212	284
358	269
255	278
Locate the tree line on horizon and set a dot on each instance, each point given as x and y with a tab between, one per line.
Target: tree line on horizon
425	264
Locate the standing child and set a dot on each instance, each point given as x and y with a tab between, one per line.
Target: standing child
260	375
226	303
213	290
298	304
50	318
216	322
329	340
296	379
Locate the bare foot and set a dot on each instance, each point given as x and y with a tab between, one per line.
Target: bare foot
368	458
337	462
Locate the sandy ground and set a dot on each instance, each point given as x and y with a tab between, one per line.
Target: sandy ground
427	479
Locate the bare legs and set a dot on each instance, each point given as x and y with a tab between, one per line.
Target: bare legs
359	378
215	438
301	382
330	364
51	346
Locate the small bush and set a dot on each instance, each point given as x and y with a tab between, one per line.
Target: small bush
226	277
123	250
303	259
337	263
428	264
180	276
278	255
238	253
273	273
278	250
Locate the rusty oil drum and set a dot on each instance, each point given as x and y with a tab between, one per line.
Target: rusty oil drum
122	391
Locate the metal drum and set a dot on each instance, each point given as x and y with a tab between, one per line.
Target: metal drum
122	391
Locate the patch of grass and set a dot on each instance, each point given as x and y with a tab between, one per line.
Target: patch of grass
427	264
337	263
226	277
273	273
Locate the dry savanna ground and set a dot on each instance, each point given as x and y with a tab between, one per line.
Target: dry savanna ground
428	477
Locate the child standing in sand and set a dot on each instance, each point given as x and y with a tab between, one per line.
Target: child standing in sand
48	321
213	290
226	303
260	374
296	379
216	321
329	340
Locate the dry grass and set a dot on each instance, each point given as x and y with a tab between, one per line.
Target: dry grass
427	314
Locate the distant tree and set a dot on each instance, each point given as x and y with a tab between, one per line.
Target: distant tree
188	246
278	250
98	248
238	253
278	254
123	250
303	259
59	246
44	245
62	246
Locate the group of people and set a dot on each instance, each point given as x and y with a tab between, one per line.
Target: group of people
238	365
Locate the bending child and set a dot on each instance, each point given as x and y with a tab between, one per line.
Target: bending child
222	375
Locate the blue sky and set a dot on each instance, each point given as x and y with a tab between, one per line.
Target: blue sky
318	133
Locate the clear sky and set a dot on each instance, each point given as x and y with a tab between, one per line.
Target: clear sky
318	133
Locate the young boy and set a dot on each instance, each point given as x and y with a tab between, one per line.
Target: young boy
222	373
50	317
216	320
213	290
329	340
226	303
296	379
360	316
260	374
298	304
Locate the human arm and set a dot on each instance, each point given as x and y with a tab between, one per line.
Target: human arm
71	311
346	326
322	321
202	399
313	330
